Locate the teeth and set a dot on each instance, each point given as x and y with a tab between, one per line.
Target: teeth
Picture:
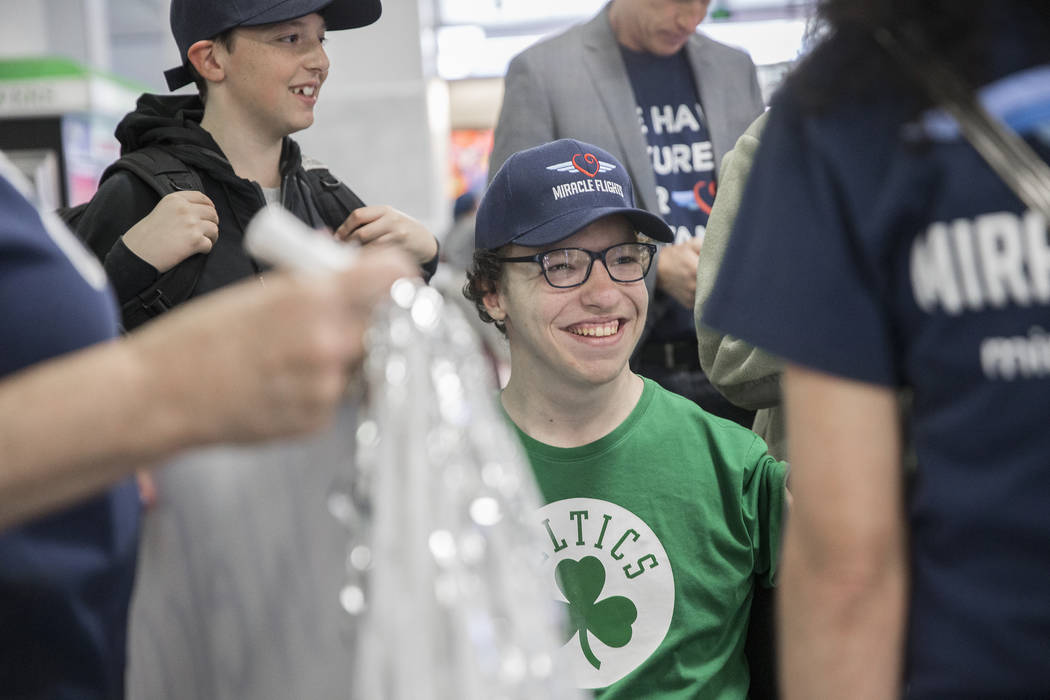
307	90
598	331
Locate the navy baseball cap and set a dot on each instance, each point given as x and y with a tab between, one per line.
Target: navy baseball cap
545	194
196	20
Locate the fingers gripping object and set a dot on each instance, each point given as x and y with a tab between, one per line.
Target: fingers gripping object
442	559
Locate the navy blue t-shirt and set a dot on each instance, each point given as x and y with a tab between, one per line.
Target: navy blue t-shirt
885	250
65	579
681	155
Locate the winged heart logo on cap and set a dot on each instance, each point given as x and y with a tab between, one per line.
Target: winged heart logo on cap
589	160
596	166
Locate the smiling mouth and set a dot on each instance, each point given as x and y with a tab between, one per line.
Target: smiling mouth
305	90
596	330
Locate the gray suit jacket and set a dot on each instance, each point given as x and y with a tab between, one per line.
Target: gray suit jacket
575	85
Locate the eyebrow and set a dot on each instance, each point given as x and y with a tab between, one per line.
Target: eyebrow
561	246
297	23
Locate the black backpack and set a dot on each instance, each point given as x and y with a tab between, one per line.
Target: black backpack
165	173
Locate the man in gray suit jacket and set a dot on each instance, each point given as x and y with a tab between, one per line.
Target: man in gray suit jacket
639	81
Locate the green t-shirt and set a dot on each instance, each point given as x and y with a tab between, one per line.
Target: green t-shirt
653	536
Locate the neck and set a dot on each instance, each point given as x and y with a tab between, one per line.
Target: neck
253	155
573	416
619	27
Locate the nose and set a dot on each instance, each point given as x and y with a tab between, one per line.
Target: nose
317	60
600	290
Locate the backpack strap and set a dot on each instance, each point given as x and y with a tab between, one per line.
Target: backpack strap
159	169
165	173
171	288
335	202
333	198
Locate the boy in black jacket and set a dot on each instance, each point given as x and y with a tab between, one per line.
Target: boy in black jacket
259	67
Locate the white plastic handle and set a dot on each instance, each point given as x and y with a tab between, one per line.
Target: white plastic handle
277	237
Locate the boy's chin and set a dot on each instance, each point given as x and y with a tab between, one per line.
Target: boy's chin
299	125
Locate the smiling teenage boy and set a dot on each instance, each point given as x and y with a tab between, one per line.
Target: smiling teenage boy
260	67
660	517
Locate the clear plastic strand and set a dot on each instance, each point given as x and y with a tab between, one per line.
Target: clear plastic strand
442	566
442	561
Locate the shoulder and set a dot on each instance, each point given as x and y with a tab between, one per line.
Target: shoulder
569	42
46	275
126	189
869	123
32	239
680	412
707	438
737	162
309	165
120	202
750	138
321	180
120	197
714	50
20	226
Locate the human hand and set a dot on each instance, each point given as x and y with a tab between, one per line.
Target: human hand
258	361
676	270
182	224
385	225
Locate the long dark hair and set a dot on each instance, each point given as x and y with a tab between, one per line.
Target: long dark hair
848	63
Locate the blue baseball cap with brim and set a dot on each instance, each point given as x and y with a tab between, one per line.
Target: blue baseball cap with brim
546	194
196	20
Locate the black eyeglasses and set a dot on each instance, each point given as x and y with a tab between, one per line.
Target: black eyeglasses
570	267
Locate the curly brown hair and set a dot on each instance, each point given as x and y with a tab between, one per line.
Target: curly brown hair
482	279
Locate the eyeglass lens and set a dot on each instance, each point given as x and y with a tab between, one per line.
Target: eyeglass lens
568	267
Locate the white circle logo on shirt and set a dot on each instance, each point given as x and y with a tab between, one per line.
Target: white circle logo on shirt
607	566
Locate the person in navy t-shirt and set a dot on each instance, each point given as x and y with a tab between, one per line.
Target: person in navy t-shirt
65	579
875	249
77	420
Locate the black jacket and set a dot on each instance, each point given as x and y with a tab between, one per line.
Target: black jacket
173	122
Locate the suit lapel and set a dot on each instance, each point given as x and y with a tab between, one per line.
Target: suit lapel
713	86
604	64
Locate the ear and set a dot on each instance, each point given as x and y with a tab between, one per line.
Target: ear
203	56
494	305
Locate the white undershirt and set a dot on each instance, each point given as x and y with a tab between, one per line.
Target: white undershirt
272	195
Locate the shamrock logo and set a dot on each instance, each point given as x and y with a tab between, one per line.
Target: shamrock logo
610	620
